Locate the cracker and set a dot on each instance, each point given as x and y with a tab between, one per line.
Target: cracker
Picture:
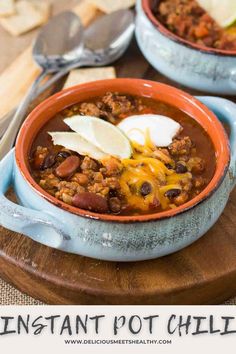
87	12
109	6
80	76
27	17
7	7
44	7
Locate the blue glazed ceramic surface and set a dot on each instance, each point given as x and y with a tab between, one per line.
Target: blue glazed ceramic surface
52	226
197	69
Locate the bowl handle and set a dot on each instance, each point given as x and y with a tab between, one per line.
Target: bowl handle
226	112
37	225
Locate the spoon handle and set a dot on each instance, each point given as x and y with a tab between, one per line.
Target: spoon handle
60	74
38	90
9	137
52	80
87	60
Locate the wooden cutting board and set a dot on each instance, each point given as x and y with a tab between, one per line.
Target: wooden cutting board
204	273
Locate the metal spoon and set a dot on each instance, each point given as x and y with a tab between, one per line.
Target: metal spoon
113	42
59	43
104	43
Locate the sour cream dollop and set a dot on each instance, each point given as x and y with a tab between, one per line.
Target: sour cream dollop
160	129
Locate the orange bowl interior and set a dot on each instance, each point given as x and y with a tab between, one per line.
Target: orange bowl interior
170	95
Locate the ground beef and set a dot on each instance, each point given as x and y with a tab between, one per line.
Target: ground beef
199	182
118	104
196	165
182	198
111	107
99	188
188	20
80	178
181	146
89	164
89	109
112	167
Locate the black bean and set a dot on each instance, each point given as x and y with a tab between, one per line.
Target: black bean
172	193
112	193
145	189
48	162
181	168
170	167
63	154
115	205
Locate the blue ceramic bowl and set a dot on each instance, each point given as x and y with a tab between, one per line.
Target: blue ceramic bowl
189	64
113	238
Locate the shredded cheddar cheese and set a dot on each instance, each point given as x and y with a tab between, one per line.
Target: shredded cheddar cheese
148	165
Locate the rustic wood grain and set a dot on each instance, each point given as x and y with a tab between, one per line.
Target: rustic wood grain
203	273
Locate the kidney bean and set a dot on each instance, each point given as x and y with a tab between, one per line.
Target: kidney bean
172	193
49	161
146	189
38	162
91	201
68	167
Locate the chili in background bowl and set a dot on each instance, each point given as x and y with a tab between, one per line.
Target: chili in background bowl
190	64
110	237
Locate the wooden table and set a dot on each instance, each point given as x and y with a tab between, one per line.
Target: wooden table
204	273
